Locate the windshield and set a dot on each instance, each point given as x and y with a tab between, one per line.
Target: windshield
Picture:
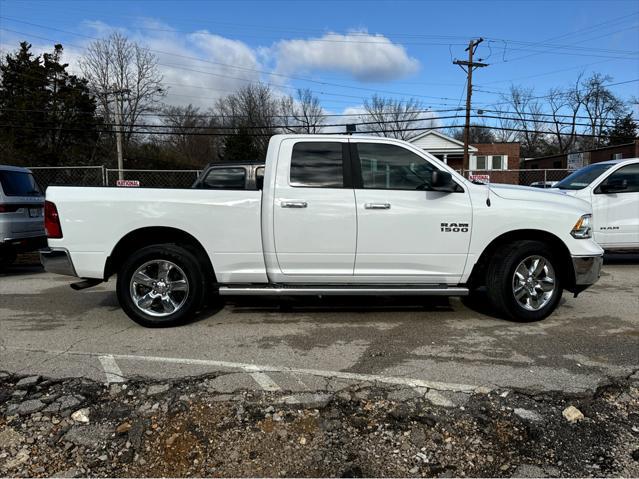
583	177
19	183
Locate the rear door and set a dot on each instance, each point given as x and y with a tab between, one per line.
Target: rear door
315	226
617	214
406	233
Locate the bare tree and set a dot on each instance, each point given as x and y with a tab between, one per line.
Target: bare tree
565	106
601	106
477	133
302	114
394	118
528	117
187	135
504	131
120	70
250	116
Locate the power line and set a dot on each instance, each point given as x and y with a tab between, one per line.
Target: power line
171	128
395	130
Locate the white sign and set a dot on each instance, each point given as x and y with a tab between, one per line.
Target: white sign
128	183
481	178
575	161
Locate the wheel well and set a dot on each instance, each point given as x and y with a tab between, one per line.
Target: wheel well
155	235
557	246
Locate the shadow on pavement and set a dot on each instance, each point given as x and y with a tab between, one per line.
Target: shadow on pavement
621	258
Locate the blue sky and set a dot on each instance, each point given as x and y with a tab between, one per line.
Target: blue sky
347	50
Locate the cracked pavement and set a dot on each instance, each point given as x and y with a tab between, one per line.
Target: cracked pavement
311	344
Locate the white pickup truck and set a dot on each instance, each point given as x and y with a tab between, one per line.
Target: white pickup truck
334	215
612	188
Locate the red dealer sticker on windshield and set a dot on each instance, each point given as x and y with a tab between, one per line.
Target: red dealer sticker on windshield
128	183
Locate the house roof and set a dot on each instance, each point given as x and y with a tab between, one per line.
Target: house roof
436	142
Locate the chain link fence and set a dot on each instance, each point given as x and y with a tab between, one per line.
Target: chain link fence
68	175
153	178
101	176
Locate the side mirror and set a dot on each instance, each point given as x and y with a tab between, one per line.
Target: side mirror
442	181
613	185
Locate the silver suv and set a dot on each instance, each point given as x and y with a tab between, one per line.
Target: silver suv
21	213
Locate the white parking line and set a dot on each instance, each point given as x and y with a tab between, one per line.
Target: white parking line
111	369
253	368
265	382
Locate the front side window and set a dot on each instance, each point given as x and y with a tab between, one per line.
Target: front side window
392	167
225	179
317	165
629	174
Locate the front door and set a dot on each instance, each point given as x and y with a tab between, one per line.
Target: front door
616	214
315	226
407	234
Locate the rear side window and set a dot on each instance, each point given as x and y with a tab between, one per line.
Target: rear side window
19	183
317	165
225	179
391	167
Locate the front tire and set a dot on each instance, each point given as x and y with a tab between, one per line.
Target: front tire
523	282
161	285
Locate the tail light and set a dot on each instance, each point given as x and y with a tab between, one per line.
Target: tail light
52	221
9	208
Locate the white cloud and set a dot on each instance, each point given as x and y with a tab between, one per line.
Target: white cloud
366	57
200	66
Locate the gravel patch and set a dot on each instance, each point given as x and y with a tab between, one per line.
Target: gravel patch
77	428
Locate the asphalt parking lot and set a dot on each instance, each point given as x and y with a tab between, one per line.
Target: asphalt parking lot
48	329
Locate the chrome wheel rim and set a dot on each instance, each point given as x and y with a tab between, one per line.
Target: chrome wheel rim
534	283
159	288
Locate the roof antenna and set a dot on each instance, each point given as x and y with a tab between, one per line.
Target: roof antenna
351	128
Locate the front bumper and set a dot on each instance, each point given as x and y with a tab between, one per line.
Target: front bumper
587	271
57	261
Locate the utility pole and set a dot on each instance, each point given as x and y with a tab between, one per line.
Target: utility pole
468	67
119	94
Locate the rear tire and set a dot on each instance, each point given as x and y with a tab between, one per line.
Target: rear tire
522	281
161	285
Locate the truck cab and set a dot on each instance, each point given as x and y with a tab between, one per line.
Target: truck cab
612	188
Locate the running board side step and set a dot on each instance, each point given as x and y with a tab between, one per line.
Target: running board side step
341	291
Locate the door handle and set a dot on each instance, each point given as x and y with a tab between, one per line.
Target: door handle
377	206
293	204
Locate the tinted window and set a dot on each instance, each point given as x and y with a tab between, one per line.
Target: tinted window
259	177
18	183
392	167
225	179
583	177
317	164
629	173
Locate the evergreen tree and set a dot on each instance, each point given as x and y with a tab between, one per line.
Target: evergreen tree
242	146
624	130
47	116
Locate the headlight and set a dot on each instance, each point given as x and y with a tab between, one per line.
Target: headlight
583	228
